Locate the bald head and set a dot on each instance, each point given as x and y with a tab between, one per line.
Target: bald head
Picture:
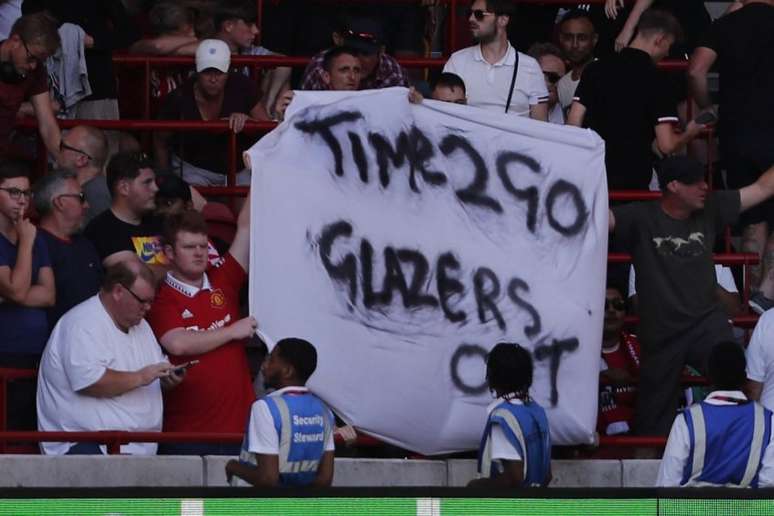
84	146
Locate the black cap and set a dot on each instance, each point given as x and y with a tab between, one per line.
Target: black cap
679	168
363	34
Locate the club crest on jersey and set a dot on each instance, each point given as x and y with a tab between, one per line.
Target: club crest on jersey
217	299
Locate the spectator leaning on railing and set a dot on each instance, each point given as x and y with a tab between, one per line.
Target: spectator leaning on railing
84	150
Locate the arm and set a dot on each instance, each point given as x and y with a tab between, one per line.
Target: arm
324	476
264	474
627	32
162	45
668	141
43	293
730	301
512	476
15	282
576	115
115	383
47	125
759	191
702	60
610	221
754	390
240	247
274	84
181	342
539	112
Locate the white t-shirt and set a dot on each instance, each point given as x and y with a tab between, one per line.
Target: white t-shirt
501	447
565	88
262	435
84	344
760	357
487	85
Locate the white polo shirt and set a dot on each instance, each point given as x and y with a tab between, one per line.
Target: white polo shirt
487	85
760	357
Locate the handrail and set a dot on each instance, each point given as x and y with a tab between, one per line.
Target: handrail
631	441
719	258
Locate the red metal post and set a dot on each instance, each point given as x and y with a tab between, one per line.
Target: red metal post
452	36
146	107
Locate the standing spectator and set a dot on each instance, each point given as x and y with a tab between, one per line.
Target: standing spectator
101	366
498	77
213	94
577	38
760	361
628	104
551	61
61	205
196	317
26	289
742	43
365	36
724	441
269	456
671	242
128	229
33	39
516	446
84	150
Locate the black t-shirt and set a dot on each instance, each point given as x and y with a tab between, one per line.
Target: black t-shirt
625	98
744	43
77	272
202	149
111	235
676	281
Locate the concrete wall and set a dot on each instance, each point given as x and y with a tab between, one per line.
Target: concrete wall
121	471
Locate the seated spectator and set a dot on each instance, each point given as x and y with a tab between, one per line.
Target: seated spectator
577	39
267	461
760	361
450	88
497	76
213	94
516	446
365	37
724	441
628	104
551	61
196	316
101	365
23	77
26	289
128	228
61	204
84	150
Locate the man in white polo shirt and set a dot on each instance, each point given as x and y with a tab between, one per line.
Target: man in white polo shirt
496	76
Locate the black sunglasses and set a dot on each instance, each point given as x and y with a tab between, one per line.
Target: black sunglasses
552	77
64	146
618	304
478	14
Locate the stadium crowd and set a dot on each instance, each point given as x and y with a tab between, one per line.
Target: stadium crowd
116	286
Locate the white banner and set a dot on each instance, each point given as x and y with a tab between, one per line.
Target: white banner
404	241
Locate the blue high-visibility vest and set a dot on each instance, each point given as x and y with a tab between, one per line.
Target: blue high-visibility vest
727	444
526	428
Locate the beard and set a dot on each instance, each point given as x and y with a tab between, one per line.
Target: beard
485	37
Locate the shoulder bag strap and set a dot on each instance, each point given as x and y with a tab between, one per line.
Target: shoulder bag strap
513	79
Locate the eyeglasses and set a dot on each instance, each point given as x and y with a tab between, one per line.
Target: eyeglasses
80	196
31	58
618	305
138	298
552	77
63	146
478	14
16	194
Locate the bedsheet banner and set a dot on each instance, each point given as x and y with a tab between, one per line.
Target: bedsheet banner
404	241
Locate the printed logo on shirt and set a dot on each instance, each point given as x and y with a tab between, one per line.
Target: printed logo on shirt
186	314
682	247
217	299
149	249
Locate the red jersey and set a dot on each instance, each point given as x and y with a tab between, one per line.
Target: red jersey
217	393
616	402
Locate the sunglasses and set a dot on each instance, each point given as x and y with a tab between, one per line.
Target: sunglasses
63	146
552	77
16	193
80	196
618	305
478	14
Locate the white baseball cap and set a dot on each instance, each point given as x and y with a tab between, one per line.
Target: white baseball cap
213	53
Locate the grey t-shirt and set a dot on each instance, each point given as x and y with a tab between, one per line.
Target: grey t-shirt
673	259
98	197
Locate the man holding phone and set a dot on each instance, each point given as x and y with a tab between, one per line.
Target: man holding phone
196	319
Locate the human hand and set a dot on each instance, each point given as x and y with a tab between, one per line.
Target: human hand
414	96
243	328
25	229
88	41
612	7
346	432
151	372
283	101
236	121
173	379
623	39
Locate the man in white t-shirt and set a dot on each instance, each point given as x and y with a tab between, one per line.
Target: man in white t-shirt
100	368
488	67
760	361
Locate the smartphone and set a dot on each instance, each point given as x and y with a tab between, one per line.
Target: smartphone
180	369
708	117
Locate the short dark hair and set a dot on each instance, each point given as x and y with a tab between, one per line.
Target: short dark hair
655	21
509	369
578	14
125	165
500	7
726	366
38	29
12	168
227	10
335	52
189	220
300	354
167	16
451	81
542	48
126	273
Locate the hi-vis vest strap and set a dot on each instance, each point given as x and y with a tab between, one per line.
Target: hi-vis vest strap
700	446
513	424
